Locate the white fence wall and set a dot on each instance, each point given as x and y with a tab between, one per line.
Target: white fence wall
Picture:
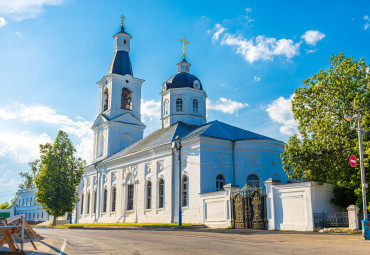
291	206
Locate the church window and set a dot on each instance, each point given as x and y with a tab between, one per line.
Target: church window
33	215
165	107
185	191
179	105
82	203
42	215
31	201
105	196
100	148
148	195
88	203
130	197
20	202
38	214
105	99
94	201
220	182
161	193
27	202
195	106
126	101
114	199
23	202
253	181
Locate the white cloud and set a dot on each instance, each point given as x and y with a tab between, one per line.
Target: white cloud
310	51
247	18
24	146
257	79
261	48
219	30
225	105
367	22
25	9
311	37
280	110
151	109
19	34
2	21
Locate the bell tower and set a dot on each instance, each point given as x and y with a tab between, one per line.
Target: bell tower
118	124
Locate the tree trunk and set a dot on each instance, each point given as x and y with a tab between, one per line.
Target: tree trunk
54	220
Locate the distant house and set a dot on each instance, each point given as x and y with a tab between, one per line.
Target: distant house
28	206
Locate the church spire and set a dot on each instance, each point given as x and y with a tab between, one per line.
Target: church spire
183	66
121	63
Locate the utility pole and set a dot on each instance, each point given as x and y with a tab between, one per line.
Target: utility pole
177	145
363	177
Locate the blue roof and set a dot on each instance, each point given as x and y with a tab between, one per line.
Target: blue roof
121	63
215	129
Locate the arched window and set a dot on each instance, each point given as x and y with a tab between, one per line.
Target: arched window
185	191
94	211
253	181
82	203
31	201
88	203
114	199
126	102
42	215
220	182
161	193
105	99
148	195
195	106
179	105
130	197
105	196
165	107
100	147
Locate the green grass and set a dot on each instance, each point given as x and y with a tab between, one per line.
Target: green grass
118	224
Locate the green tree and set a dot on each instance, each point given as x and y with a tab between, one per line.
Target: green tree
325	142
5	205
60	174
29	178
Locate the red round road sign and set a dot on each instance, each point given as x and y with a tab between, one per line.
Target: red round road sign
353	161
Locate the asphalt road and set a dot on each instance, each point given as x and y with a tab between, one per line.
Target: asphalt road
138	241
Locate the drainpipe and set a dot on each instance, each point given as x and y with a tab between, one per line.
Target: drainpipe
173	184
233	160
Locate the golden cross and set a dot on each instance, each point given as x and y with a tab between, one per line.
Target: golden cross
122	19
183	48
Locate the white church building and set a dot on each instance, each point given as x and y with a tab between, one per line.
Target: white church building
136	179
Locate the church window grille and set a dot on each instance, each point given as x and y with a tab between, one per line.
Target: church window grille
148	195
114	199
179	105
185	191
165	107
195	106
105	196
126	100
88	203
130	197
253	181
220	182
105	99
82	203
94	202
161	193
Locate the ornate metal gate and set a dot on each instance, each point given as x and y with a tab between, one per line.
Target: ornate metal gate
248	208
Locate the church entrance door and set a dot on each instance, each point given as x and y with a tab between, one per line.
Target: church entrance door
248	208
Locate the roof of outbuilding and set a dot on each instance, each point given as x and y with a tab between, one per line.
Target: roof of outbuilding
215	129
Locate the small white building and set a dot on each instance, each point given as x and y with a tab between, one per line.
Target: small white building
28	206
136	179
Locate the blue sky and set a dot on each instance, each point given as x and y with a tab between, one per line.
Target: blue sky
249	56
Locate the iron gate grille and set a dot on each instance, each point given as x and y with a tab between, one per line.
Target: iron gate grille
248	208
